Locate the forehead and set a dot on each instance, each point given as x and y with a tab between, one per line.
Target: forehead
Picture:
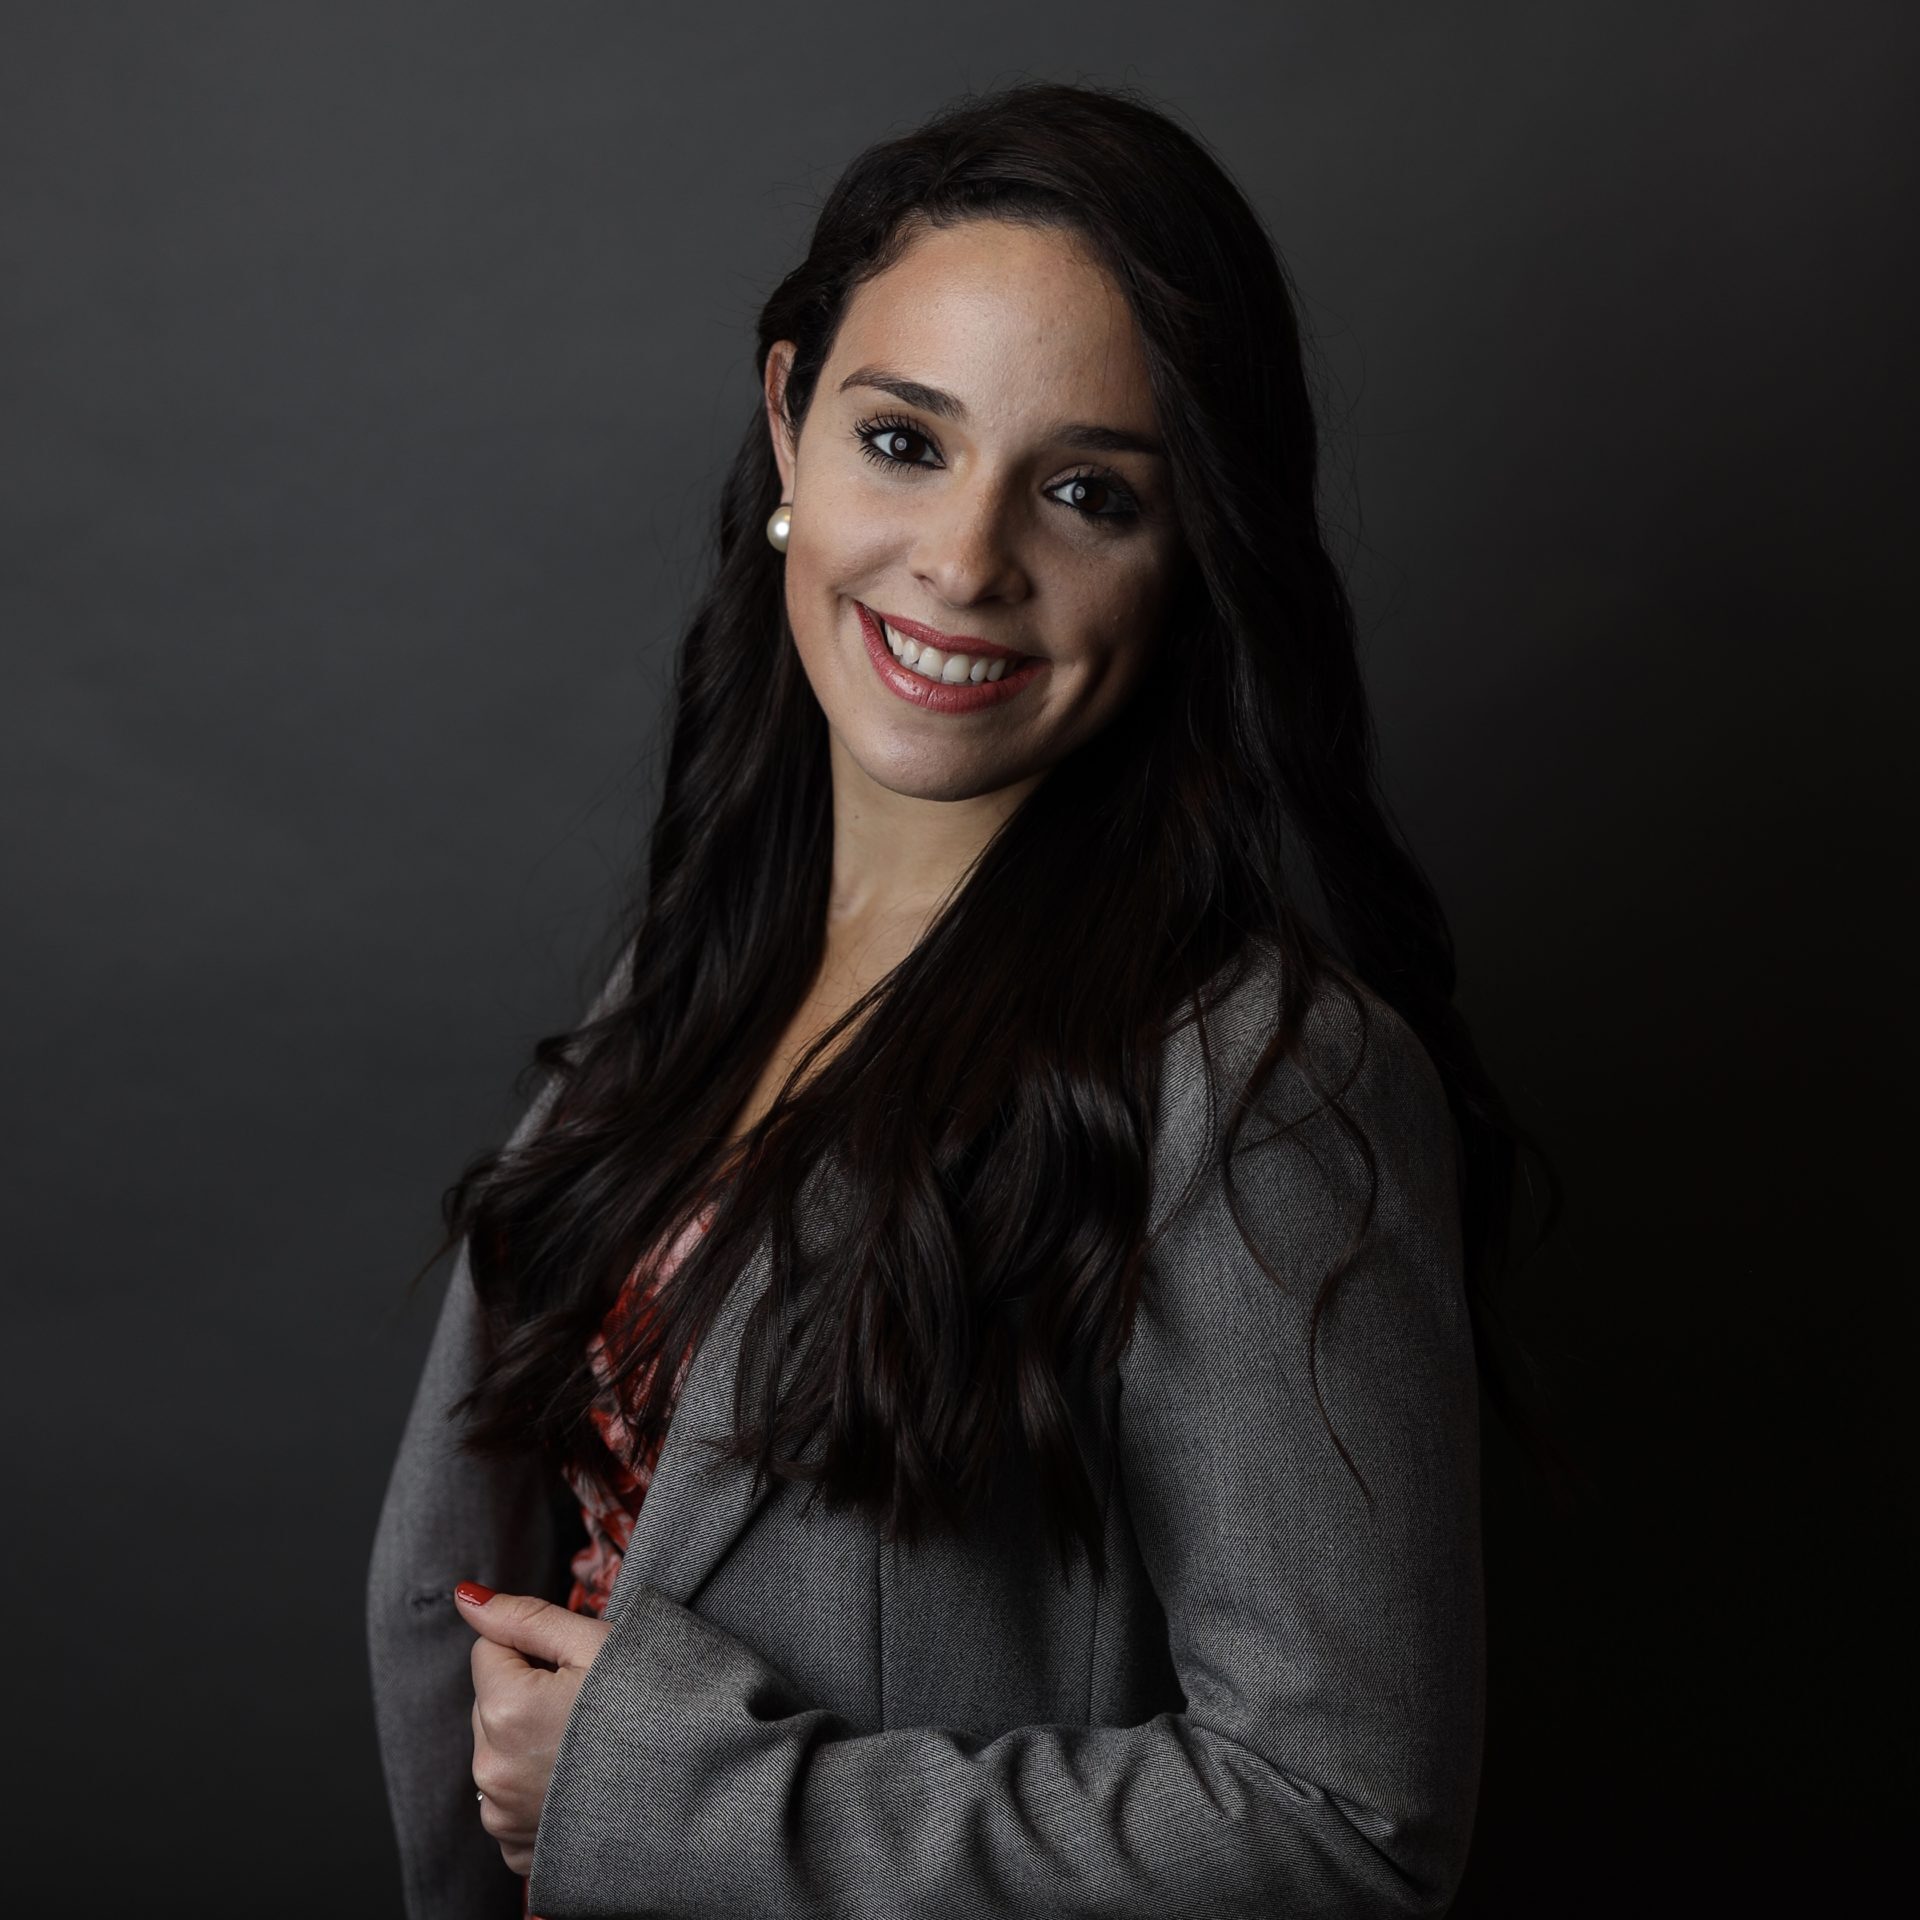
1013	320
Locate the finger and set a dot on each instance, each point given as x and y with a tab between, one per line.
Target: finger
491	1663
504	1824
506	1809
537	1628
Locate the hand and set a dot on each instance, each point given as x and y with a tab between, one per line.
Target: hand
527	1667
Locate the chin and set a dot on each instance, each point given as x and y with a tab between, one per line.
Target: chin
918	775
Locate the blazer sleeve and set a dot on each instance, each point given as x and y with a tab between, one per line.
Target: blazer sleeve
1327	1760
447	1516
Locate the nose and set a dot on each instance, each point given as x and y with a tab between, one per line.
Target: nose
967	548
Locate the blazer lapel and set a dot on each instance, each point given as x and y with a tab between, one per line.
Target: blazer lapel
696	1505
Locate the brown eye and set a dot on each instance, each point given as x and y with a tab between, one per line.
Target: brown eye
891	443
1095	496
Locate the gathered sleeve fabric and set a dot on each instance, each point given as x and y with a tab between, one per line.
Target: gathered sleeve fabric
1331	1652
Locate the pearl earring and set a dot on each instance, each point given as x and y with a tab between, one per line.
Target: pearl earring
779	525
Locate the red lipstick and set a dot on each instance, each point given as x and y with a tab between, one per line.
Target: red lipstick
946	642
938	696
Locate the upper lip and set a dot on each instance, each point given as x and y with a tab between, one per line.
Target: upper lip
946	642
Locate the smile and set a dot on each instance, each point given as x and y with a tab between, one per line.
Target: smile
943	681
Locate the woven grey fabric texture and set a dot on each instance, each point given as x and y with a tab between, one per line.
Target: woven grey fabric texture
1273	1705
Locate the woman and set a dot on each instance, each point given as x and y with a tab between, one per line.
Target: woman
1069	1235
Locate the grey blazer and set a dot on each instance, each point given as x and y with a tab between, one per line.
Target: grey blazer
1273	1705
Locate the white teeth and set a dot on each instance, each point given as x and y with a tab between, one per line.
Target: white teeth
950	669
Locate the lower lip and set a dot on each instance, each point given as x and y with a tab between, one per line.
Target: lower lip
938	696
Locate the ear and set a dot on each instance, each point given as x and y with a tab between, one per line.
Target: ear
779	364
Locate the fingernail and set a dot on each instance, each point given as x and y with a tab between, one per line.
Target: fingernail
473	1593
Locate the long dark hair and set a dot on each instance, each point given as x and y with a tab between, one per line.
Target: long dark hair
993	1147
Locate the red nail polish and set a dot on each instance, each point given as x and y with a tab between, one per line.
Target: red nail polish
473	1593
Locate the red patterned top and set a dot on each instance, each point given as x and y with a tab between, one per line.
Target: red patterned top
610	1508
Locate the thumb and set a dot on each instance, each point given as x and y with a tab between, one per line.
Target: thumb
530	1625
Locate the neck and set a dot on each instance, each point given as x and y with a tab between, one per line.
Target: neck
897	858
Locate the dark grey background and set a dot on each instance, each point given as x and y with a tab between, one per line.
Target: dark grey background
366	377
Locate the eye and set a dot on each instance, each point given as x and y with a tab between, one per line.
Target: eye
887	441
1097	487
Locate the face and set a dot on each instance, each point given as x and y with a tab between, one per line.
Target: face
977	470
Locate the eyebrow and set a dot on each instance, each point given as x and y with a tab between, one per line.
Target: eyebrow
934	400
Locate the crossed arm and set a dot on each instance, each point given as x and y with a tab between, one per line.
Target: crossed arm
1327	1759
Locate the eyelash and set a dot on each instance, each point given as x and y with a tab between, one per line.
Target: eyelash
892	423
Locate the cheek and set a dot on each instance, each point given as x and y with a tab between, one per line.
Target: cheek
1125	627
849	533
1136	609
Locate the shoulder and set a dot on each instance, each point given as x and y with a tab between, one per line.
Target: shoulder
1352	1046
1350	1038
